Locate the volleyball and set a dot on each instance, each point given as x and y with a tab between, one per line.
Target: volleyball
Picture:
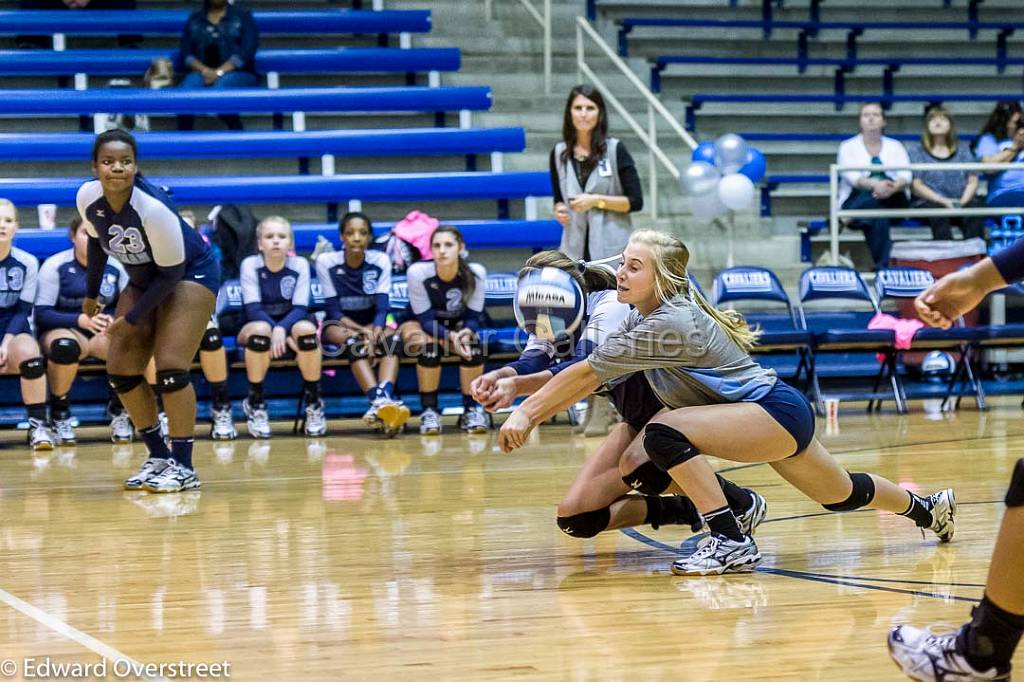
549	303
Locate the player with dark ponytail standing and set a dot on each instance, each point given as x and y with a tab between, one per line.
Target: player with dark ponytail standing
162	313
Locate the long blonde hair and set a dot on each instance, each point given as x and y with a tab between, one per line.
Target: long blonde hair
670	279
590	277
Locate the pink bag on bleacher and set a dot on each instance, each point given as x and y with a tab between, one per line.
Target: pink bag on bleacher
417	228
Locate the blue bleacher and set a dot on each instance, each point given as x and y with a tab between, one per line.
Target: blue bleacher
333	60
243	100
37	147
170	22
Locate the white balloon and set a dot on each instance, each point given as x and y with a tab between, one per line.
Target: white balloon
700	177
730	153
706	207
736	191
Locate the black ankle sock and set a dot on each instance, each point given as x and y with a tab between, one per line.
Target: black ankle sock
37	411
920	511
428	400
991	637
181	451
154	441
256	393
311	391
673	510
723	522
739	498
60	406
219	396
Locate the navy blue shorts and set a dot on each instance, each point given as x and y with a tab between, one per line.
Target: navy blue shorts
5	319
636	401
791	409
205	271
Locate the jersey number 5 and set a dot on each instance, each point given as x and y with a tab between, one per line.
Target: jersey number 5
126	241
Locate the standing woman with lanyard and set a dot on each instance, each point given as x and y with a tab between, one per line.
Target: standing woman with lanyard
173	280
593	180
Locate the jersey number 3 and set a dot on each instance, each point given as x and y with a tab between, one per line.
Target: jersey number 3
126	241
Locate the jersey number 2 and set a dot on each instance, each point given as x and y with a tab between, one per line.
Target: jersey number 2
126	241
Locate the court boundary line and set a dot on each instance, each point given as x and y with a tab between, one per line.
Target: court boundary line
83	639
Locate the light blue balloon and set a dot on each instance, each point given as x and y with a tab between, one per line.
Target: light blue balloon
756	165
730	153
705	151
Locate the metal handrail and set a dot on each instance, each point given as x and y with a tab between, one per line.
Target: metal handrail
654	106
545	23
836	213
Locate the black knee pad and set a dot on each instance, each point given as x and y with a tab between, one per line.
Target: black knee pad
123	383
1015	495
171	380
476	355
430	356
356	348
307	342
258	343
648	479
861	495
212	340
585	525
667	447
33	368
65	351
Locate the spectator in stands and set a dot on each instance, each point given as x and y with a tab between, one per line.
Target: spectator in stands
275	292
944	189
593	179
213	360
1001	141
356	283
218	45
69	335
446	300
45	42
19	351
873	189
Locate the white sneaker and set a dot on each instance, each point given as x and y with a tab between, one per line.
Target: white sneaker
929	657
256	420
430	422
749	520
370	417
943	504
121	429
222	426
392	415
64	431
39	435
316	422
717	554
151	468
475	420
173	479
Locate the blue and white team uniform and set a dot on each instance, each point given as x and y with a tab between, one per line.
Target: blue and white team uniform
148	237
361	294
278	298
62	288
439	306
18	279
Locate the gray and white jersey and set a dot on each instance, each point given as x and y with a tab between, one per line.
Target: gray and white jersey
18	274
687	357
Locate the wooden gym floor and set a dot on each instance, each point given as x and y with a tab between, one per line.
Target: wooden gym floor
438	559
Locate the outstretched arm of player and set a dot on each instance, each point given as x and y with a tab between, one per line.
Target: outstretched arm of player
568	388
959	292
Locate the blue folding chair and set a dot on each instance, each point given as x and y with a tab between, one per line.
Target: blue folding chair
904	283
844	330
781	332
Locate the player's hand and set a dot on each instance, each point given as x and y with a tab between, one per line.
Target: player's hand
502	396
209	76
119	328
514	432
947	299
482	386
562	214
97	324
461	342
278	342
91	307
